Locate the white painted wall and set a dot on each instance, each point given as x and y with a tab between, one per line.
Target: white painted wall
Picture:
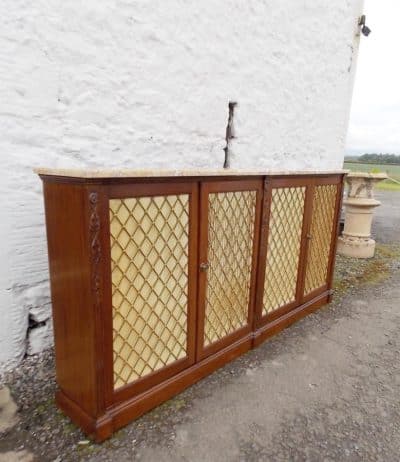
140	83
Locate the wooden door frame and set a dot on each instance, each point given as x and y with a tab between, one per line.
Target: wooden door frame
141	189
228	185
270	184
335	235
320	181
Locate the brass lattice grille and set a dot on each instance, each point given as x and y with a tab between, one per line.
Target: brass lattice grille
324	203
284	239
231	218
149	270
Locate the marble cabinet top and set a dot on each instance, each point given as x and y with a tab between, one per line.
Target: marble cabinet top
194	172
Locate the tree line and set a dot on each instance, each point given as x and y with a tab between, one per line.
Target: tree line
377	159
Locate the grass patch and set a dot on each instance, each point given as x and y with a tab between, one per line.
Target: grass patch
388	185
351	272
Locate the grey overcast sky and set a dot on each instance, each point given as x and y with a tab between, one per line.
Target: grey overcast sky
375	115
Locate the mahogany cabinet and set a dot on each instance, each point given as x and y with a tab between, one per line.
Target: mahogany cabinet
158	281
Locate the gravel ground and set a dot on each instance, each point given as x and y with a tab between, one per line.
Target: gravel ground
325	389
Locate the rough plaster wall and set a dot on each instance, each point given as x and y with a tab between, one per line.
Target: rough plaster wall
142	84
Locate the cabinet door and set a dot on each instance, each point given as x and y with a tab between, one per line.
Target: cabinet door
325	198
229	228
153	271
282	240
297	243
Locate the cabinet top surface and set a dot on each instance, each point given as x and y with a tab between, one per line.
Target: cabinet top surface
151	173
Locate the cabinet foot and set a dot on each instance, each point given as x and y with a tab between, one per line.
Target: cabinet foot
96	429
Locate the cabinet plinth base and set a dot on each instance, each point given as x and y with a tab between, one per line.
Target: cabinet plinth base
286	320
97	429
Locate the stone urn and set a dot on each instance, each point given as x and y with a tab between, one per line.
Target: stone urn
360	204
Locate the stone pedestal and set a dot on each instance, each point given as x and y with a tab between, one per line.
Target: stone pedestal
360	203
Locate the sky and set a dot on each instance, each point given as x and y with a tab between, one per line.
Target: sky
375	114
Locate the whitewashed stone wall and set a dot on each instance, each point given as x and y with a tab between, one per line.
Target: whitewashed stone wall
140	83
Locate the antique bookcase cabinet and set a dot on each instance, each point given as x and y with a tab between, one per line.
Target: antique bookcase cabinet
158	281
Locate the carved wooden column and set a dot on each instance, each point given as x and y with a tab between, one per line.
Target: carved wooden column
360	203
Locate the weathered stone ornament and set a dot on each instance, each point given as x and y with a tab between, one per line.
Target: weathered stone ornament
356	240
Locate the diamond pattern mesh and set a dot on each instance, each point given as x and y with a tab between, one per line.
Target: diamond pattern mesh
284	240
149	268
230	246
324	202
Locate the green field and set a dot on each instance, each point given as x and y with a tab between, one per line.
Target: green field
393	171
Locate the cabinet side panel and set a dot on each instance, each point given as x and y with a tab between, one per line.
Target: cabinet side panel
69	262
